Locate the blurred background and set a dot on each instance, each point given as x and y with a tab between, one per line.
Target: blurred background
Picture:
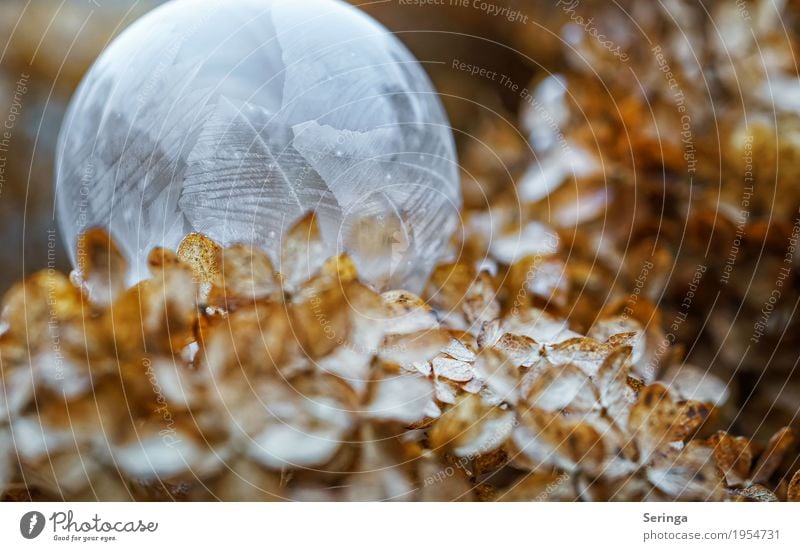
660	139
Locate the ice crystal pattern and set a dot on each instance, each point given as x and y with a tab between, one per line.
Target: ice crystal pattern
233	119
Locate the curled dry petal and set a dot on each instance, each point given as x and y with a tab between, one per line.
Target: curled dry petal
623	330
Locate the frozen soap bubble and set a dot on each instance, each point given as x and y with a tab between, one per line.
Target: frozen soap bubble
234	118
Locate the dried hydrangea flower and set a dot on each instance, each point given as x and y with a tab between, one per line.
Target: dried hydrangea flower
217	378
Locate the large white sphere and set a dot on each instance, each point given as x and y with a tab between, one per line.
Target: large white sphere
233	118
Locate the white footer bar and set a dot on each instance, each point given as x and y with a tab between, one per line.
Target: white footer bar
386	527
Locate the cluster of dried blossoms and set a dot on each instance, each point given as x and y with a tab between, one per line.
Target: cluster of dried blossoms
218	378
670	175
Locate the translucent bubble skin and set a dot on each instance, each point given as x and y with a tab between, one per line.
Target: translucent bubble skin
234	118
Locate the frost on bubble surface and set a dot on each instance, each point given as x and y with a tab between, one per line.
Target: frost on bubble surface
234	119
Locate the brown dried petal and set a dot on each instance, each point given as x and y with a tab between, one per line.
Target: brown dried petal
245	274
365	333
339	269
162	311
201	254
402	398
656	421
734	457
306	423
101	265
161	258
771	458
480	302
560	387
252	340
552	439
406	350
582	352
538	325
793	491
614	328
532	239
691	383
31	305
303	252
611	380
322	322
471	428
521	350
445	392
544	280
440	483
463	297
454	370
541	486
458	350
